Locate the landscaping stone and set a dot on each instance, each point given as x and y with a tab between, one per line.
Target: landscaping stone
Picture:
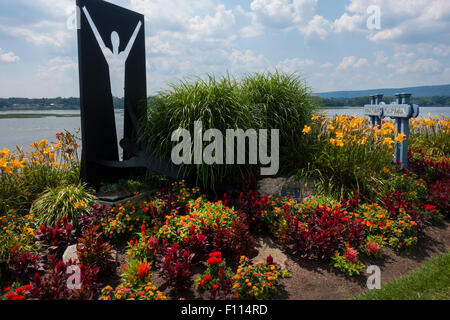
271	186
296	188
70	253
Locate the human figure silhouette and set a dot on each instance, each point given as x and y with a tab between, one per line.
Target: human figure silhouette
116	60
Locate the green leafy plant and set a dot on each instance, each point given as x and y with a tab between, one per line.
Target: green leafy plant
281	101
374	246
70	201
348	263
257	281
257	101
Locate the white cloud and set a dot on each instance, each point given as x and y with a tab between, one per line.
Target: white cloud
422	66
294	65
42	33
318	26
348	23
352	62
197	20
380	58
57	67
285	15
247	61
441	50
327	65
8	57
407	21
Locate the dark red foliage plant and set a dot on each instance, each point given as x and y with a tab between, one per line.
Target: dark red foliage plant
431	170
98	213
176	268
198	245
55	240
252	205
54	283
439	196
94	252
324	232
24	266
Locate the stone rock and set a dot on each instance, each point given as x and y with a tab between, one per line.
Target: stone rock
296	188
271	186
70	253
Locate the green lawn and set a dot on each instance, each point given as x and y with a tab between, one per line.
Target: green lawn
430	282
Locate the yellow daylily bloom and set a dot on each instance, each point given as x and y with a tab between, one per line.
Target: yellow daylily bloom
400	138
306	130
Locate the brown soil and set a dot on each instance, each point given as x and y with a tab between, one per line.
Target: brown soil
316	280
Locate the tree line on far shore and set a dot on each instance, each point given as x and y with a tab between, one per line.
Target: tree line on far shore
74	103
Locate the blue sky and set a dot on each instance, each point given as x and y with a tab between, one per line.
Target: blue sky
327	41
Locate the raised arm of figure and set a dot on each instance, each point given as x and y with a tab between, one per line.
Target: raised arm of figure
95	30
132	40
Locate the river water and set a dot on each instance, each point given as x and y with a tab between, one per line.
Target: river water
24	131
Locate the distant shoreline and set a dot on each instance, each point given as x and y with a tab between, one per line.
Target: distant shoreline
78	109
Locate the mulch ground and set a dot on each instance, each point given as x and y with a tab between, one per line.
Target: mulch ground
316	280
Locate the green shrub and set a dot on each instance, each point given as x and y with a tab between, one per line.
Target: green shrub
281	101
258	101
214	102
55	203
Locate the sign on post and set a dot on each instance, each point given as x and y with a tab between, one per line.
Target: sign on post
401	111
375	110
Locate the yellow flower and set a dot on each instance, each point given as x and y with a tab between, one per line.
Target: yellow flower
8	170
306	130
3	163
16	164
339	143
400	138
42	144
314	117
388	141
5	152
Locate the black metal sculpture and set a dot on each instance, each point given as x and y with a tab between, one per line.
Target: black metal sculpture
111	37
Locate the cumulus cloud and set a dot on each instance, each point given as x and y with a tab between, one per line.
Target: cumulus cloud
8	57
318	27
352	62
57	68
348	23
199	20
380	58
42	33
294	65
285	15
405	21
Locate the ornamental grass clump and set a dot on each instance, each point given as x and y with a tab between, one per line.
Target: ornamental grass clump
284	102
215	102
70	201
257	101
